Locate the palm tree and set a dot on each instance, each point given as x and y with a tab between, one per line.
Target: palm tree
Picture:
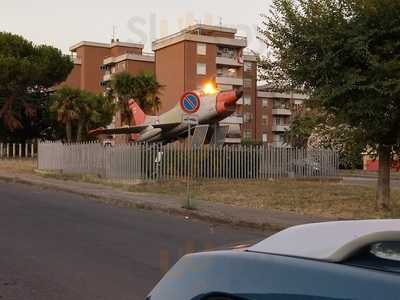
123	86
146	94
64	106
143	88
84	108
81	110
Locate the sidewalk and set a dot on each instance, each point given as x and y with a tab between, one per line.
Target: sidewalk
215	212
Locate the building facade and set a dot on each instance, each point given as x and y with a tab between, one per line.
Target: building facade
275	113
94	63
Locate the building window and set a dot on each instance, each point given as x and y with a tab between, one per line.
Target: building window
226	52
247	83
265	102
247	117
264	138
201	69
281	104
247	100
265	120
247	134
201	49
227	72
248	66
121	66
281	121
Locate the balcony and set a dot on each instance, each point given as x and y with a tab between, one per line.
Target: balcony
228	61
107	77
281	111
246	100
280	128
76	59
233	120
233	140
229	80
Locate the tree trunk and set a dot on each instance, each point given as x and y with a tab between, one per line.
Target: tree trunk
383	189
80	130
68	131
6	106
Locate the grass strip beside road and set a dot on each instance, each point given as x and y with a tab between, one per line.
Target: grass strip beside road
326	199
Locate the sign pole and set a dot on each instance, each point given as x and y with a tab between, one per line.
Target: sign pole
189	120
189	169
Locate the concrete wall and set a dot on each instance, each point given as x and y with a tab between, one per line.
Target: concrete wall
192	80
74	78
92	58
170	73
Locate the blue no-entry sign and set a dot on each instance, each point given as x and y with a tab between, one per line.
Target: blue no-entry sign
190	103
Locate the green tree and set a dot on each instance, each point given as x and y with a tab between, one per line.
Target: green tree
143	88
27	71
122	87
346	54
80	111
147	90
301	128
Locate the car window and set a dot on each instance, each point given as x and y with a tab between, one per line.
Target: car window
388	251
379	256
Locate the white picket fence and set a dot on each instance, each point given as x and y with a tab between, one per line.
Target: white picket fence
18	150
176	161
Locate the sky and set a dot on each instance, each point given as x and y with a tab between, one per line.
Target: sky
65	23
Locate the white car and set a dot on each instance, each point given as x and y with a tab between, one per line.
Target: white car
325	261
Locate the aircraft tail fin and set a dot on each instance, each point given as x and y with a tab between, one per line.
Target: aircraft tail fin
138	116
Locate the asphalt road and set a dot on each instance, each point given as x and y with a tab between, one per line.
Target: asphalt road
394	183
55	245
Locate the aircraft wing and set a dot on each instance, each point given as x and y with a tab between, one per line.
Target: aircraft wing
166	126
119	130
132	129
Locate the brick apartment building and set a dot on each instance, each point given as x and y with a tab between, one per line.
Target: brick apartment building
275	113
95	62
186	61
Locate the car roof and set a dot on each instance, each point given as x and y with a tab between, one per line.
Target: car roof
330	241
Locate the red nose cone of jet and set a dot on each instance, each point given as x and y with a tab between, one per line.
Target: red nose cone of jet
227	99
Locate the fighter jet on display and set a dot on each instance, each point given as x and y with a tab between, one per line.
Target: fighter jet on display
206	108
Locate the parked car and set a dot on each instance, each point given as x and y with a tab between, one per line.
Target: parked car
325	261
306	167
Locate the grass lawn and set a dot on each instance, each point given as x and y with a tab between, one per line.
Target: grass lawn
322	199
17	166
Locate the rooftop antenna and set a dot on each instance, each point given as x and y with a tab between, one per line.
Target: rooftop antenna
220	21
198	22
114	29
